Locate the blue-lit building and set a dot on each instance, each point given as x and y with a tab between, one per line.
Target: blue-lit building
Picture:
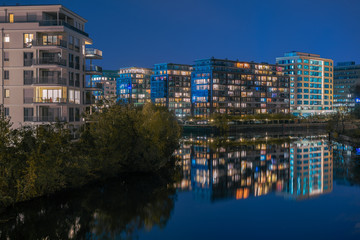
238	88
170	87
346	76
311	168
311	83
133	85
107	83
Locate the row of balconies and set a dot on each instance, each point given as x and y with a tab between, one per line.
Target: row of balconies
60	81
58	100
89	69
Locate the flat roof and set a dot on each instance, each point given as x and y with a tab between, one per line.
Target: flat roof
43	5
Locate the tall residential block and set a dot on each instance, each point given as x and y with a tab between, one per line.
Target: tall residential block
311	83
346	77
43	64
170	87
133	85
238	88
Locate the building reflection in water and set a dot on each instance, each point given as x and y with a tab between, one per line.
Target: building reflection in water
296	170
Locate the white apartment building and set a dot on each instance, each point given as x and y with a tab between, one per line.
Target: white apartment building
43	64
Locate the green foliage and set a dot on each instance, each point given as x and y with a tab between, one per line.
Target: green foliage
36	161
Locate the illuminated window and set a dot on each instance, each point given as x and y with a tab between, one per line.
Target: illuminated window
7	93
11	17
7	37
28	39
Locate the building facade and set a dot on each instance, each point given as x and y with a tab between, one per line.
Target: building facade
43	64
107	84
238	88
170	87
133	85
346	77
311	83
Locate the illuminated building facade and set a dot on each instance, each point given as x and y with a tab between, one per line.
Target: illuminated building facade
43	64
107	82
311	168
170	87
133	85
311	83
238	88
346	77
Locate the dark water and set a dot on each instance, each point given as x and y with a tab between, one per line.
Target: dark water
303	188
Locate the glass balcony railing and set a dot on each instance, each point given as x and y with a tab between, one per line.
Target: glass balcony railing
93	53
93	69
45	81
41	42
44	119
45	100
49	61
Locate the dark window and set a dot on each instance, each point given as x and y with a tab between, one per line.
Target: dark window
6	56
71	114
28	114
6	74
28	58
77	114
7	111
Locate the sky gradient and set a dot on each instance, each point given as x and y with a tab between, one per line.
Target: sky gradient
145	32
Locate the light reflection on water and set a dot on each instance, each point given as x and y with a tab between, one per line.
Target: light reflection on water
298	169
212	170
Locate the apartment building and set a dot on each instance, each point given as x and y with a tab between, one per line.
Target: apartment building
346	77
133	85
238	88
43	64
170	87
107	84
311	83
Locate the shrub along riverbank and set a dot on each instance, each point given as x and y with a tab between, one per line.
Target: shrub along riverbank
37	161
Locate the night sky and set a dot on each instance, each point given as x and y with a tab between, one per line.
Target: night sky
144	32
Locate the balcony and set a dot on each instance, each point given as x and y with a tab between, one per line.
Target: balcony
95	87
44	119
45	100
42	43
92	53
62	23
45	81
49	61
93	70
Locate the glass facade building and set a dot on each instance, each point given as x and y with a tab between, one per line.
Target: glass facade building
133	85
238	88
170	87
346	76
311	83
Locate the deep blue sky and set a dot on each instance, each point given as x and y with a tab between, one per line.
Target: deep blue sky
145	32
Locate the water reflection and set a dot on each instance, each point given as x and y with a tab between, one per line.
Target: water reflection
295	169
113	210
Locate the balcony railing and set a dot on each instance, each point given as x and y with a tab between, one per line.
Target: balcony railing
49	61
95	87
41	42
44	119
45	81
45	100
93	53
62	23
92	69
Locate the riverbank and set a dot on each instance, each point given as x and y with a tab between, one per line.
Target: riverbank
43	160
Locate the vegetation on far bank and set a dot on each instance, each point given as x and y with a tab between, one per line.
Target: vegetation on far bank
36	161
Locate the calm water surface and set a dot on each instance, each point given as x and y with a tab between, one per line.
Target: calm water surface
303	188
